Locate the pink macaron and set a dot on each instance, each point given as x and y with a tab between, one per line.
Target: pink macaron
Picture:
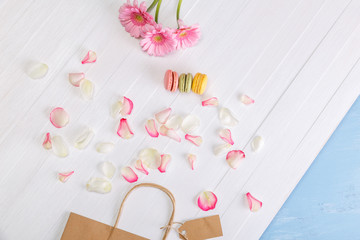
171	80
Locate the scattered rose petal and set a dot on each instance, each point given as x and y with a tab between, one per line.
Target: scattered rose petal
192	160
127	107
207	201
99	185
246	99
76	78
140	166
87	89
196	140
225	134
165	159
124	130
116	108
150	157
105	147
89	58
163	116
84	139
150	127
171	133
257	143
220	149
59	117
63	177
210	102
227	118
162	130
47	142
59	146
123	107
174	122
129	174
190	124
254	204
234	158
108	169
37	70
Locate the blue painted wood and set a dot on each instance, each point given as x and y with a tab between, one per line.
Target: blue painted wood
326	202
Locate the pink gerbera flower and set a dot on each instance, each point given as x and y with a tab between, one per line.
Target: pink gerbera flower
186	36
135	19
158	42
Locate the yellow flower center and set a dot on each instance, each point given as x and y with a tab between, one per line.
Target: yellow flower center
183	34
157	38
139	18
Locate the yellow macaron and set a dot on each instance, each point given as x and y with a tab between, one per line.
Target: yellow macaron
199	83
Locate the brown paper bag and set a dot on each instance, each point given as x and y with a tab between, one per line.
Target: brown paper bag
82	228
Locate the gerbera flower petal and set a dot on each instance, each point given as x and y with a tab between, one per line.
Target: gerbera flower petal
186	36
158	42
135	19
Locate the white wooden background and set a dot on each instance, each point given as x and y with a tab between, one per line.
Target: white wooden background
298	59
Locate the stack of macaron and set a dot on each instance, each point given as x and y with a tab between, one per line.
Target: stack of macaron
185	82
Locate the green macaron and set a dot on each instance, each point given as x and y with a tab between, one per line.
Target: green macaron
188	82
182	80
185	82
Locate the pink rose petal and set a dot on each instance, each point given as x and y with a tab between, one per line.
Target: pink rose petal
170	133
150	157
165	159
124	130
63	177
129	174
150	127
127	107
254	204
196	140
162	130
192	160
207	201
246	99
225	134
163	116
59	117
76	78
139	166
47	142
89	58
234	158
210	102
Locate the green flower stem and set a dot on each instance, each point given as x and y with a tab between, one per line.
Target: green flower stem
157	10
178	11
152	5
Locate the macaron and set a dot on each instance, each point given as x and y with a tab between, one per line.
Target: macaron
199	83
185	82
171	80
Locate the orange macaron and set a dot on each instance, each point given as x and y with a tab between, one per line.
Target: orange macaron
171	80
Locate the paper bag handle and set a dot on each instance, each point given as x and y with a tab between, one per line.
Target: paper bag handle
165	190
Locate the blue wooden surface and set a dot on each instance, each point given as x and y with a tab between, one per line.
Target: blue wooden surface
326	202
